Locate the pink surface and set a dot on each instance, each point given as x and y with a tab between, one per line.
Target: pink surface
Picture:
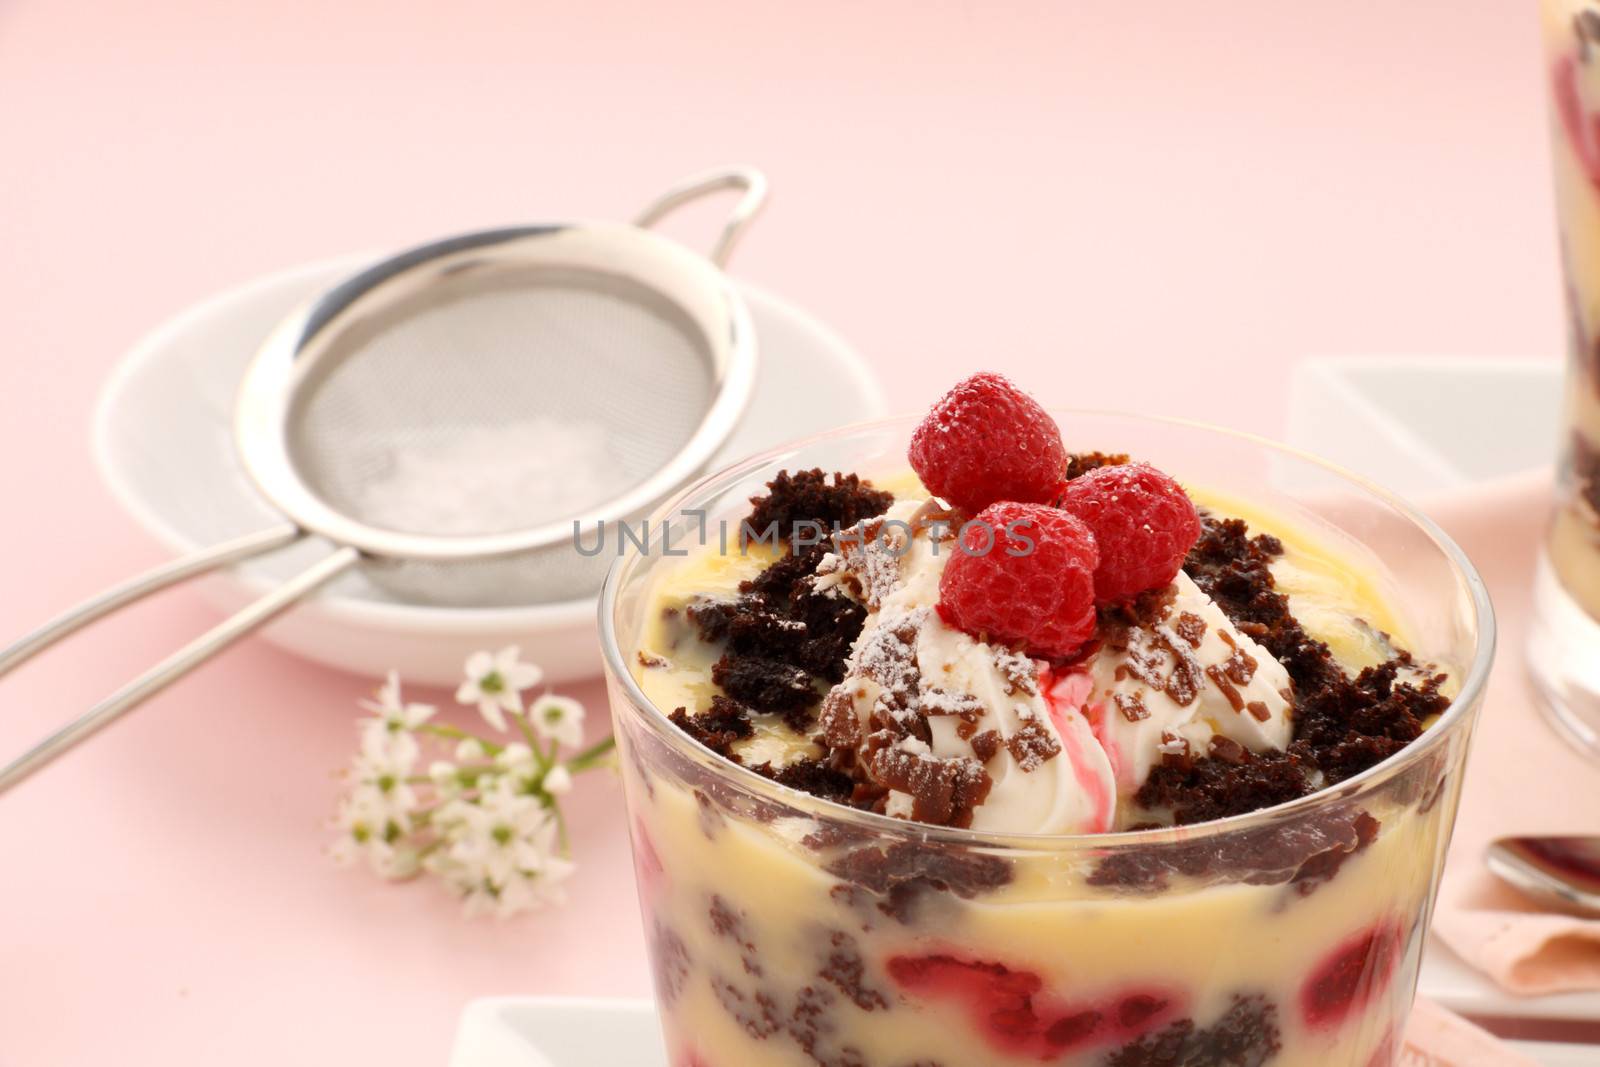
1122	204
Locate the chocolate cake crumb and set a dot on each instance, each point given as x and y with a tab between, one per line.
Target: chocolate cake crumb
1246	1035
1342	725
800	720
651	661
900	873
671	958
847	970
1206	788
1303	854
764	684
807	497
729	924
814	777
757	1014
1320	867
718	727
780	638
1081	463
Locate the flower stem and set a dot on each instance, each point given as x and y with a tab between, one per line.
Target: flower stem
561	826
454	733
534	743
591	756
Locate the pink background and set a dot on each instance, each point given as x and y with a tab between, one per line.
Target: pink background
1155	205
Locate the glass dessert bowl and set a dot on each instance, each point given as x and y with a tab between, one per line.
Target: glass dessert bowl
788	929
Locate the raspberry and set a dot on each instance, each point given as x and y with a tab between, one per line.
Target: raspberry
1143	522
1015	1013
987	440
1351	976
1023	574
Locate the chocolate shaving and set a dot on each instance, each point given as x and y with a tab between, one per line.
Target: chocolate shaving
985	745
1191	627
1219	678
1032	746
1131	705
943	791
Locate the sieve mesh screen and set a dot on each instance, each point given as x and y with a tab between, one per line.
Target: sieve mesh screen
499	399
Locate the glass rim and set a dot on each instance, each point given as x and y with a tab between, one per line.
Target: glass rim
1467	698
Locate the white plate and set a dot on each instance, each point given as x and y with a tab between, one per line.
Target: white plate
163	443
566	1032
1418	425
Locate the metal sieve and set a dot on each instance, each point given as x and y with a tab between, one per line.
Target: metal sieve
450	416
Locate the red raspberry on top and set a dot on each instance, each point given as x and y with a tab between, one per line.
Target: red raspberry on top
987	440
1143	522
1023	574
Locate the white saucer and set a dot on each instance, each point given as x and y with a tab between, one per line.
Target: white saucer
163	443
1416	424
594	1032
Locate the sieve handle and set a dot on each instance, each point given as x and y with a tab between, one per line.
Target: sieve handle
180	663
137	588
752	181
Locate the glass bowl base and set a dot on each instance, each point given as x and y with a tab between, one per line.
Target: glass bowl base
1564	662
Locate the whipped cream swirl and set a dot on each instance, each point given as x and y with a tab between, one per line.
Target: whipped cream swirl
937	715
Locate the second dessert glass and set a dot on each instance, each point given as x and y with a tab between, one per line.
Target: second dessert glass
1564	640
789	932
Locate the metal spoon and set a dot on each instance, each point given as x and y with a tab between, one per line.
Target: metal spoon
1561	872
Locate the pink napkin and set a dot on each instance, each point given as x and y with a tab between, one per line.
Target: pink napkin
1522	777
1439	1038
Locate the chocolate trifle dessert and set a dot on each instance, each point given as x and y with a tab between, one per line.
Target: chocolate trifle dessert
943	687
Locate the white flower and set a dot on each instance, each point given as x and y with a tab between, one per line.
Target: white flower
446	777
379	744
371	834
487	825
520	767
360	824
558	781
495	684
560	718
389	731
516	867
516	757
380	782
394	862
395	713
534	889
500	835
